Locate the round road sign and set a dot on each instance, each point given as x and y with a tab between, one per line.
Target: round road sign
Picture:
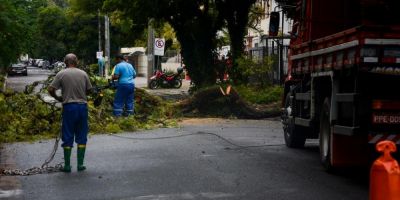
159	43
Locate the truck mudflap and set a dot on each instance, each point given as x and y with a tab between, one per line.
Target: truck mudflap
349	151
357	150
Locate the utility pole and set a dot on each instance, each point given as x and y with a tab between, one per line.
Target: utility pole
107	44
281	74
101	66
99	25
150	52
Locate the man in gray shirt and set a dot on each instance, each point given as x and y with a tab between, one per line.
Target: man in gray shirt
74	84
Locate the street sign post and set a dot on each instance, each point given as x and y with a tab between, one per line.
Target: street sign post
99	54
159	46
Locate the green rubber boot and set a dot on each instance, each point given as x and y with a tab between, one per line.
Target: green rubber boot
67	159
81	157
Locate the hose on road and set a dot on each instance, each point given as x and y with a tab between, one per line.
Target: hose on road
194	134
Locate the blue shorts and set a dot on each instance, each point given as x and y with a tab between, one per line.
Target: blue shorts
74	124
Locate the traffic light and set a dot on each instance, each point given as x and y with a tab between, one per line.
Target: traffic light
274	23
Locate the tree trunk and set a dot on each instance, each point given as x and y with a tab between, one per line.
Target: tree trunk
237	15
197	39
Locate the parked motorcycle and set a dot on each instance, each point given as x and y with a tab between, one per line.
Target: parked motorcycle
162	80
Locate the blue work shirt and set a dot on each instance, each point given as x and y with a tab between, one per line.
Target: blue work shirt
126	73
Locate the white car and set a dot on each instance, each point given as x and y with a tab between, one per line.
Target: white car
44	64
58	66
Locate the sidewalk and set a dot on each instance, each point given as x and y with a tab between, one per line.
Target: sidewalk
167	93
141	82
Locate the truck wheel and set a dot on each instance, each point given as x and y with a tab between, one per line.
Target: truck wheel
153	84
325	135
294	134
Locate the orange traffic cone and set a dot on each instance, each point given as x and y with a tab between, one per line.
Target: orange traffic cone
385	174
187	77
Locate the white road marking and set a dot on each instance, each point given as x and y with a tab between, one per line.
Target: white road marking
9	193
209	195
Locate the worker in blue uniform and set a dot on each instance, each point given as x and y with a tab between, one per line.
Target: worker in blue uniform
125	75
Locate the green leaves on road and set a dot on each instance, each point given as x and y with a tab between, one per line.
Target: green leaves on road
25	117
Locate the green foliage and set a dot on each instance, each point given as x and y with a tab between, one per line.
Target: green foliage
2	81
86	5
18	32
256	14
51	27
195	23
241	102
170	37
236	15
257	73
13	23
26	117
259	95
93	69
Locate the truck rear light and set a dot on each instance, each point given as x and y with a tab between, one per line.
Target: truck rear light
385	105
389	60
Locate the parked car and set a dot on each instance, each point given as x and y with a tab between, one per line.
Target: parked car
35	62
44	64
19	68
58	66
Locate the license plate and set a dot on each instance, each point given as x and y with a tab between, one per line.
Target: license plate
386	118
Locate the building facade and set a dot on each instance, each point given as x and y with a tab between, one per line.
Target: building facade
259	43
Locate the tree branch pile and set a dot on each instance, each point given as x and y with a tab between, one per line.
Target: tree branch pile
212	102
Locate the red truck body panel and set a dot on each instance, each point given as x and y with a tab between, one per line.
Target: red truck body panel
344	59
321	24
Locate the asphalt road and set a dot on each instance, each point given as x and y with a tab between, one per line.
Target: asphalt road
18	83
200	166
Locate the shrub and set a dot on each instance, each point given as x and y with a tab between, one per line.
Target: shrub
260	95
254	72
26	117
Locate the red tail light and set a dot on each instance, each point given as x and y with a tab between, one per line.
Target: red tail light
389	60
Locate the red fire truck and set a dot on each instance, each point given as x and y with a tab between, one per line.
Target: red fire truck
343	74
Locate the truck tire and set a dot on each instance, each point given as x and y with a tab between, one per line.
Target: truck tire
325	135
294	134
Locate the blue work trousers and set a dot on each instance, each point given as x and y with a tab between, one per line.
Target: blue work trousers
124	99
74	124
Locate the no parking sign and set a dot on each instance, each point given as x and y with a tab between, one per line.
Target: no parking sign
159	45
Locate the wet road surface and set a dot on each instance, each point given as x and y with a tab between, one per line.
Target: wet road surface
18	83
199	166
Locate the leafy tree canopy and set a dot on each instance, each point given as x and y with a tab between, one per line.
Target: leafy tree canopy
195	24
16	28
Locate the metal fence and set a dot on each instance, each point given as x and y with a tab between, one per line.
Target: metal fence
274	50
